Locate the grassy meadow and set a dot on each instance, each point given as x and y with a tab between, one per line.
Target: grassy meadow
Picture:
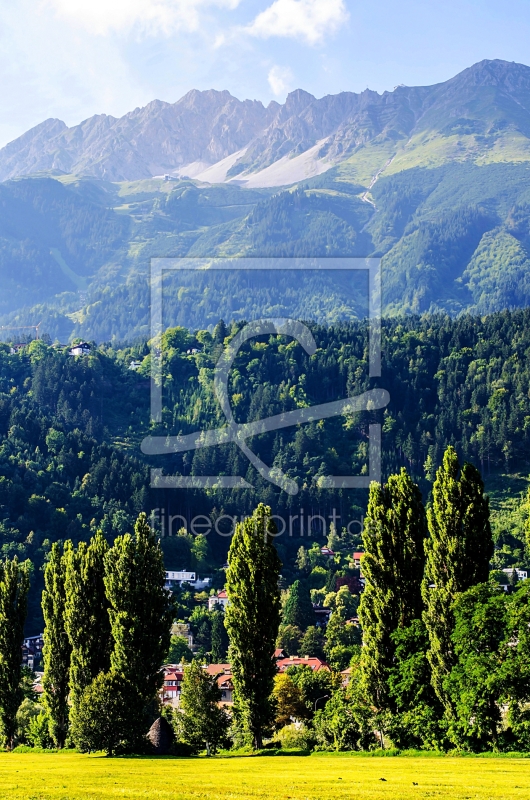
69	776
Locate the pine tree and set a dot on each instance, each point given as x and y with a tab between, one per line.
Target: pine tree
252	619
298	609
140	609
202	723
14	586
458	554
57	648
86	614
393	564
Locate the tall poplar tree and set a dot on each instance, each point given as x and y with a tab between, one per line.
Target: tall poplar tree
86	614
393	564
458	551
252	619
140	609
14	586
57	648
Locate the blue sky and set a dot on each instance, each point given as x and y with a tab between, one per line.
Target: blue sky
74	58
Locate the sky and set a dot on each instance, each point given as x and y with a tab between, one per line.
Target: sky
74	58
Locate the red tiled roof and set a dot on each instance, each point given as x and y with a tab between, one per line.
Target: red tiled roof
215	669
314	663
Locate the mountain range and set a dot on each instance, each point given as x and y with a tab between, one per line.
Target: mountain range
212	135
435	179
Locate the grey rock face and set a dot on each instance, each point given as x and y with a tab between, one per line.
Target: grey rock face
206	127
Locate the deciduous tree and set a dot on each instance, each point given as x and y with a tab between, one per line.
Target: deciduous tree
202	723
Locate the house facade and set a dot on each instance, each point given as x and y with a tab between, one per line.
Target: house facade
174	579
81	349
172	687
219	599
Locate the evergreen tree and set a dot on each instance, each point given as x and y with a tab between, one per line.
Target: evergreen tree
219	638
57	648
86	614
458	554
14	586
298	609
253	618
140	609
393	564
201	723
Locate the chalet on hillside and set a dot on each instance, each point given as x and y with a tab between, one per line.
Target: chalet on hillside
81	349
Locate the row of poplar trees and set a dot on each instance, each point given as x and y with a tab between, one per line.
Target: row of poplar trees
107	630
420	568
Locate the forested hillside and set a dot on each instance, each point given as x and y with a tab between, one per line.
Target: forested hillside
71	428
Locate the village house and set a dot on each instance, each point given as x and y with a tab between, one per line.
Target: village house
81	349
356	560
522	574
174	675
223	673
219	599
170	692
32	650
315	664
178	578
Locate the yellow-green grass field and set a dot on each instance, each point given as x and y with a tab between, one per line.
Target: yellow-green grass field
69	776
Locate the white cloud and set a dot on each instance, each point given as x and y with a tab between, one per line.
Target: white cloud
151	17
310	20
280	80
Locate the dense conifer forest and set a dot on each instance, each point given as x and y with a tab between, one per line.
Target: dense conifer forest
71	428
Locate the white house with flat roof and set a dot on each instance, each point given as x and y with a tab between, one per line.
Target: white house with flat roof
174	579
